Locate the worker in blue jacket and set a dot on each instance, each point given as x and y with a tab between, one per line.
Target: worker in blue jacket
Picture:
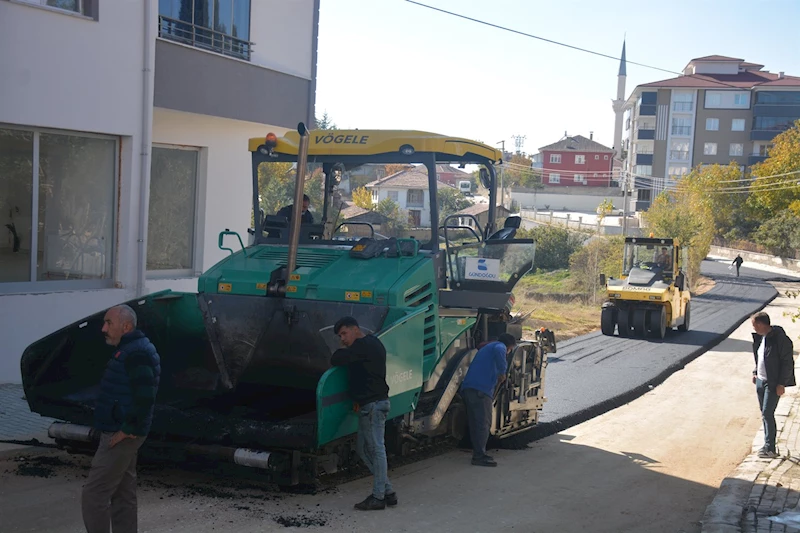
486	372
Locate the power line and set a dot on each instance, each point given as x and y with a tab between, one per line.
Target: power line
565	45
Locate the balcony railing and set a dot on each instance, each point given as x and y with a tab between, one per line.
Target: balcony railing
681	130
679	155
682	106
205	38
645	135
644	151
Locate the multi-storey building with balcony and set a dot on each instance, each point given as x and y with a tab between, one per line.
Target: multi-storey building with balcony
721	109
123	144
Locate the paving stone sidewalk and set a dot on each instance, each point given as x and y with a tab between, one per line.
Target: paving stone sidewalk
17	422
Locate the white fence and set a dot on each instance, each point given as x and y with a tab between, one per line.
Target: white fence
611	225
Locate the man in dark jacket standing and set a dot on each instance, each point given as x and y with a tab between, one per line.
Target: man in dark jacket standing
487	370
738	262
774	371
365	358
123	413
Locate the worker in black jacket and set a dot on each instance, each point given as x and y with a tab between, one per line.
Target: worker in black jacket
774	371
365	358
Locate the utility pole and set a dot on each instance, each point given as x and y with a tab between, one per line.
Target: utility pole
502	171
624	182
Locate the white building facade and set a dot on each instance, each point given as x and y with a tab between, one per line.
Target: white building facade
409	190
123	144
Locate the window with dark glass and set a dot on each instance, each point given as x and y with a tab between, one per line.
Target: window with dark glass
221	26
415	197
57	206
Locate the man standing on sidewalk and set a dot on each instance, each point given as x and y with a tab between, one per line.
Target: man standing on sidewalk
365	358
486	371
123	412
772	350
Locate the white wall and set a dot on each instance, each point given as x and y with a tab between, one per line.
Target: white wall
67	72
72	73
282	31
226	176
62	71
557	202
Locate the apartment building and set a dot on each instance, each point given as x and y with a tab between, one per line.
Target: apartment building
721	109
123	144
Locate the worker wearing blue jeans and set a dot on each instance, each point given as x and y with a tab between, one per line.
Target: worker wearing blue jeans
365	359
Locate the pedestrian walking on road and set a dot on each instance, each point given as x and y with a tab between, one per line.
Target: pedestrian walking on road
485	373
738	262
123	413
365	358
774	371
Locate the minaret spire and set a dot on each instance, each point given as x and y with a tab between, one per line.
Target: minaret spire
619	104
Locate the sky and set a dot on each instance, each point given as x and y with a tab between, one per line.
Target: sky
391	64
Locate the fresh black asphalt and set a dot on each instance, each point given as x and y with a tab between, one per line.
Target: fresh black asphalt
592	374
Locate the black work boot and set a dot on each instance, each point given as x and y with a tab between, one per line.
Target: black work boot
391	499
484	461
371	504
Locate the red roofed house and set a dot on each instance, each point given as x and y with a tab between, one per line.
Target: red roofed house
576	161
721	109
451	175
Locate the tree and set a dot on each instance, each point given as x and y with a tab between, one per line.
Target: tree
780	234
604	209
396	218
325	122
362	198
394	168
523	177
554	246
772	195
598	256
696	211
671	216
450	201
276	186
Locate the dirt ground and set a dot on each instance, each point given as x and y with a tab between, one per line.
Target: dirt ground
652	465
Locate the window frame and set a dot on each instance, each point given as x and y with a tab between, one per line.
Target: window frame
34	286
555	159
580	159
741	120
554	177
712	129
396	198
420	204
706	146
87	9
198	223
200	33
730	150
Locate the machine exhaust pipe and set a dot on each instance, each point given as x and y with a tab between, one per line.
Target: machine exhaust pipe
300	180
240	456
74	432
